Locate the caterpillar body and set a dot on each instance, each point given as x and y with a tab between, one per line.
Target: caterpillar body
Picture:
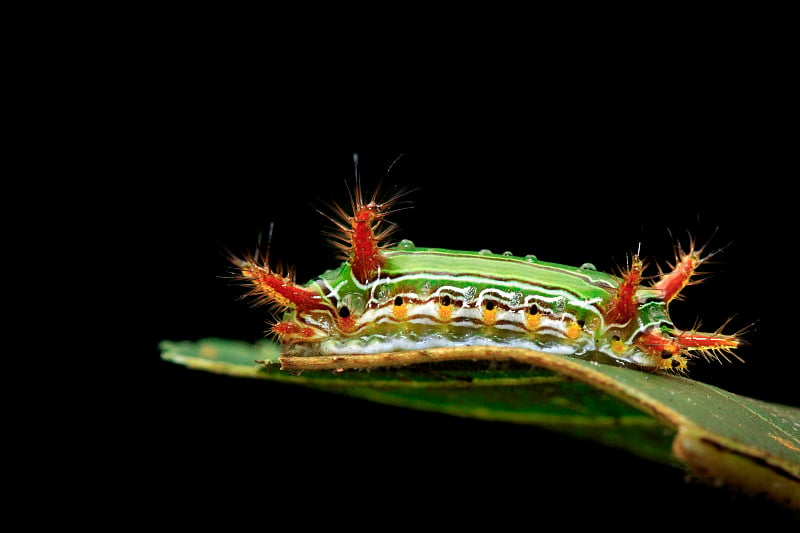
402	297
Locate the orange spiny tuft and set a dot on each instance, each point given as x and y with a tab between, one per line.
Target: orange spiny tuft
623	305
672	283
686	264
712	345
274	288
360	236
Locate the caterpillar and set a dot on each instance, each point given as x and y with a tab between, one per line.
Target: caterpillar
395	298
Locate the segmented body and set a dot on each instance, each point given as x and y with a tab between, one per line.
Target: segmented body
388	299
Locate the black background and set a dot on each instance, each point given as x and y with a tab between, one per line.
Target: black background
204	152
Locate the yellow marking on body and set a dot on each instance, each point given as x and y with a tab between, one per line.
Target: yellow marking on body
400	308
618	346
489	313
445	312
574	330
532	321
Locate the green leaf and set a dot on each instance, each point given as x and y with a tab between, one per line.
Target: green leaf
723	438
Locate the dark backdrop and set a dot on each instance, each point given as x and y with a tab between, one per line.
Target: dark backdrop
190	154
176	139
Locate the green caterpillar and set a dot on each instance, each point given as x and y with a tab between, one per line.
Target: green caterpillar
384	300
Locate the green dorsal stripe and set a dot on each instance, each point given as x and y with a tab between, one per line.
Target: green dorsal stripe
584	284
